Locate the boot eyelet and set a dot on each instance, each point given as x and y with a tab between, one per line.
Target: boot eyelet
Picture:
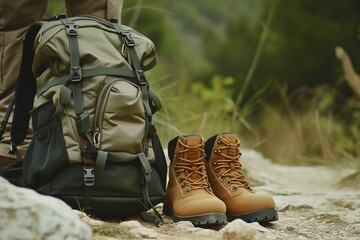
188	190
219	142
177	174
214	163
234	189
217	151
228	183
180	180
221	177
175	165
217	171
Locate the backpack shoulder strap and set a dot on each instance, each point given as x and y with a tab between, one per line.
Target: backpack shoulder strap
23	100
8	112
25	87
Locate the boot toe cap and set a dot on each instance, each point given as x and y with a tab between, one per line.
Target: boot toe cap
198	206
245	203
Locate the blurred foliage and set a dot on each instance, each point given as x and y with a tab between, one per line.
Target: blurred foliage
296	107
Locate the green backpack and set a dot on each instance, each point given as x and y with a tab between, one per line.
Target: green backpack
94	145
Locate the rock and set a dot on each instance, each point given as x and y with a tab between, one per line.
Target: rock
238	229
145	233
184	225
25	214
130	224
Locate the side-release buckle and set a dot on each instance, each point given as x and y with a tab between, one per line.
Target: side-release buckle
75	73
89	176
71	29
129	41
141	77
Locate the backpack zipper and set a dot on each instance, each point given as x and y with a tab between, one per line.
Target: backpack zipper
100	108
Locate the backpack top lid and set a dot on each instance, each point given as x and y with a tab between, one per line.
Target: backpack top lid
99	46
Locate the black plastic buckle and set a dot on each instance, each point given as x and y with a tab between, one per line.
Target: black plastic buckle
129	41
57	17
113	20
89	176
75	73
82	123
89	152
140	76
71	29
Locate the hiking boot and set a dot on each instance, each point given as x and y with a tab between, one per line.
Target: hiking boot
229	184
188	195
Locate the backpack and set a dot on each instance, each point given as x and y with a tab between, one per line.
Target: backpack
94	145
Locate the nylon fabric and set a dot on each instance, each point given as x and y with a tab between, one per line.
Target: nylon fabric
107	51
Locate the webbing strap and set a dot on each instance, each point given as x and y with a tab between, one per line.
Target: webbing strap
98	71
101	160
82	118
140	76
142	82
146	168
75	69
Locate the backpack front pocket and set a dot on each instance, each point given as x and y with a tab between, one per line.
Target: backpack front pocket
120	123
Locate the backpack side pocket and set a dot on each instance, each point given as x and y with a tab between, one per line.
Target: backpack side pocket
46	155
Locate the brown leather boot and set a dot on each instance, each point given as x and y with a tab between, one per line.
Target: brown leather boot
228	182
189	196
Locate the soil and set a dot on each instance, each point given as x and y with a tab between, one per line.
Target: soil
315	202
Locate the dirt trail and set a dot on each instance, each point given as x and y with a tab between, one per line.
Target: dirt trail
310	202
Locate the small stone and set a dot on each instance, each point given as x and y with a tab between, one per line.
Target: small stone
130	224
184	225
145	233
238	229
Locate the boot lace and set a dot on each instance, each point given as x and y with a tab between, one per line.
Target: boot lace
192	167
230	164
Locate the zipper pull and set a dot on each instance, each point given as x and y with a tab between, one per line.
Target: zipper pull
96	138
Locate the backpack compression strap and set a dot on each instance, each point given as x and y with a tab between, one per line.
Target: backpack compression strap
144	86
82	118
25	87
88	149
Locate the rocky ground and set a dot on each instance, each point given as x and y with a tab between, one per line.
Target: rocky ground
312	202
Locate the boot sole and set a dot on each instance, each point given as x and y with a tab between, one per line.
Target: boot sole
196	220
262	216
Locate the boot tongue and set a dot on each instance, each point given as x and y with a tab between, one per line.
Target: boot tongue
232	151
193	142
194	154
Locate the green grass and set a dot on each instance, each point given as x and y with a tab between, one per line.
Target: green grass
113	230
